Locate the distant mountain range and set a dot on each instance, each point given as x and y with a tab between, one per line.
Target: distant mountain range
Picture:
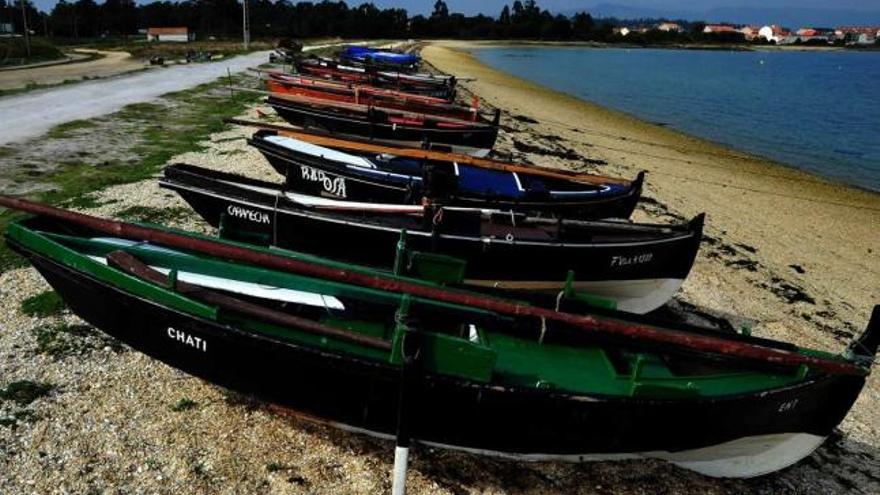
787	16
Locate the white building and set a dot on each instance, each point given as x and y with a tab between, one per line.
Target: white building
178	34
773	33
669	26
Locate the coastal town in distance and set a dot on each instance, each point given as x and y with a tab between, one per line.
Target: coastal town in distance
770	34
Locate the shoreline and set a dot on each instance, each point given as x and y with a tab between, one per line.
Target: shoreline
605	45
707	143
799	254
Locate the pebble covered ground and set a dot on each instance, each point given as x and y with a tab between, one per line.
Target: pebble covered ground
97	417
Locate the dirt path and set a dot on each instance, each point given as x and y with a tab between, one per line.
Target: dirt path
111	64
26	116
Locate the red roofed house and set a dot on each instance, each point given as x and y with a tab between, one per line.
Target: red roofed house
179	34
750	32
858	35
719	28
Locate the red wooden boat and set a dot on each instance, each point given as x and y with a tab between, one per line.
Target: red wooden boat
365	94
423	84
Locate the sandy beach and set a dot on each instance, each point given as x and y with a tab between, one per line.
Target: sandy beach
793	255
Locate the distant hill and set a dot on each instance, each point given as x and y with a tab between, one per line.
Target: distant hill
792	17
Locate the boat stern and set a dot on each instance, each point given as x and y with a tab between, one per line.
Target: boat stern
864	349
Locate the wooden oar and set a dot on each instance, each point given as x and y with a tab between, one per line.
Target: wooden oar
419	154
643	334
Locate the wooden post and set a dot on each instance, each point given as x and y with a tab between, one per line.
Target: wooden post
27	35
406	388
246	32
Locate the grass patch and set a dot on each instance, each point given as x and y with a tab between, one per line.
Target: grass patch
44	304
87	201
8	259
15	51
61	340
173	51
24	392
153	215
274	467
65	129
184	404
17	418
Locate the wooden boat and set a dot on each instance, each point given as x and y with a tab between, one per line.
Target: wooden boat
475	138
639	266
364	94
373	57
427	84
349	171
380	354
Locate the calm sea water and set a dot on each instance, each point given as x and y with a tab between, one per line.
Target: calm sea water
819	111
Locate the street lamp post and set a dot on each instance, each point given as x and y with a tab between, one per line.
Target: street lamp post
27	35
246	31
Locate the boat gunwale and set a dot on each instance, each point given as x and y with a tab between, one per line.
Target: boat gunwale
812	380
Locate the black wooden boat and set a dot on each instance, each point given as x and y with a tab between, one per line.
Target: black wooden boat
475	138
638	266
354	172
485	375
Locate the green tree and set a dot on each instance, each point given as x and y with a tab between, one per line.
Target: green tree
583	25
441	11
504	18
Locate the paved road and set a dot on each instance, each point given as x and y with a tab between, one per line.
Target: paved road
31	114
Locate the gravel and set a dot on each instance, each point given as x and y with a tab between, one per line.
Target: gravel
110	425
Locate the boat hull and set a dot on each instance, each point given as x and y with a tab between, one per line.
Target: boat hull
299	170
471	140
736	436
639	276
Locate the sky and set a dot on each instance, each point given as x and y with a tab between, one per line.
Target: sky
791	13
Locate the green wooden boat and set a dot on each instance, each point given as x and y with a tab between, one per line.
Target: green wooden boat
351	346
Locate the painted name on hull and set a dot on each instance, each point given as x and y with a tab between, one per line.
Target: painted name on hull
187	339
636	259
333	185
247	214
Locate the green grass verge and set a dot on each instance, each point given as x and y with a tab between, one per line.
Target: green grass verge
15	49
21	394
24	392
153	215
62	340
47	303
184	404
163	132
